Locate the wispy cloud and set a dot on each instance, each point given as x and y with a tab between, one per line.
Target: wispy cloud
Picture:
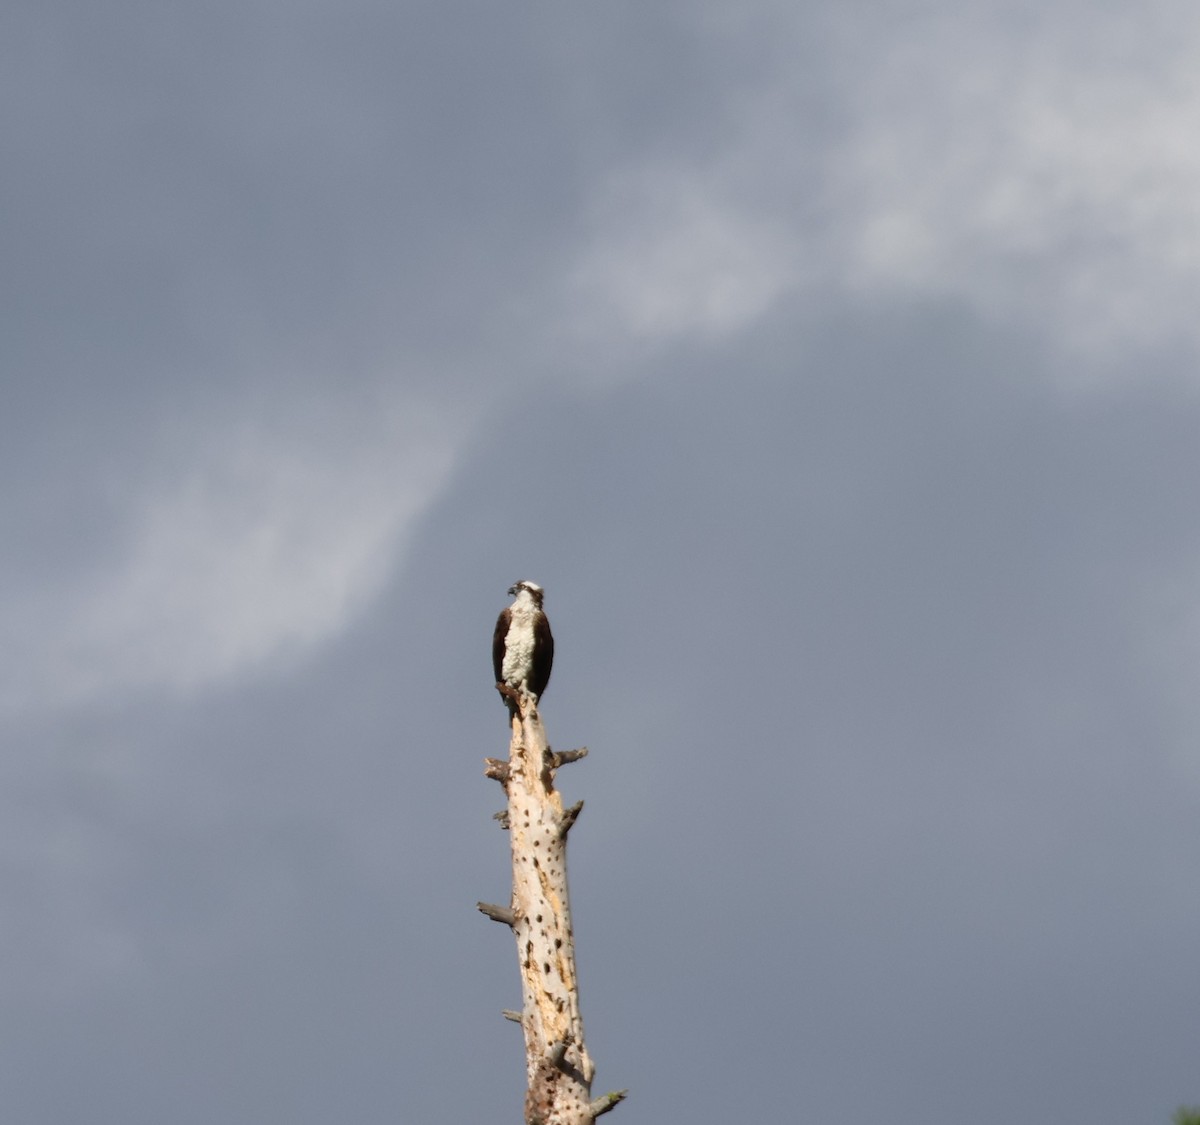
259	540
672	256
1037	166
1040	170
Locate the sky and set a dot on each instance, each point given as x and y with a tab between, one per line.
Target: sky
833	366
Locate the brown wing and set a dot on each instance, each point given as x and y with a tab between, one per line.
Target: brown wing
543	655
498	643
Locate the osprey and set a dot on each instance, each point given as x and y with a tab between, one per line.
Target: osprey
523	646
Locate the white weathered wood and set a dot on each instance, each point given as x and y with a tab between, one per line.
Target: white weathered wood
558	1068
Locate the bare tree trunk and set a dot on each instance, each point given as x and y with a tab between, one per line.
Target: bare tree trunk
558	1068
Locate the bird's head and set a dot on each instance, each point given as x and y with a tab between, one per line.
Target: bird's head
534	591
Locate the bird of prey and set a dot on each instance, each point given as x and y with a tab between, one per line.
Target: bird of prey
522	645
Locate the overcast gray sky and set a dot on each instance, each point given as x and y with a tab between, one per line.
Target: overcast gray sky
834	368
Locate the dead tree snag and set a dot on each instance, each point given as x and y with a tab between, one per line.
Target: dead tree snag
558	1068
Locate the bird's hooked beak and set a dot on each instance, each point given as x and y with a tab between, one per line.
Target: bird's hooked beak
512	590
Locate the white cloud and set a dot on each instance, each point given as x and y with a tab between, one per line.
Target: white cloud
1038	164
1044	172
251	547
671	256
